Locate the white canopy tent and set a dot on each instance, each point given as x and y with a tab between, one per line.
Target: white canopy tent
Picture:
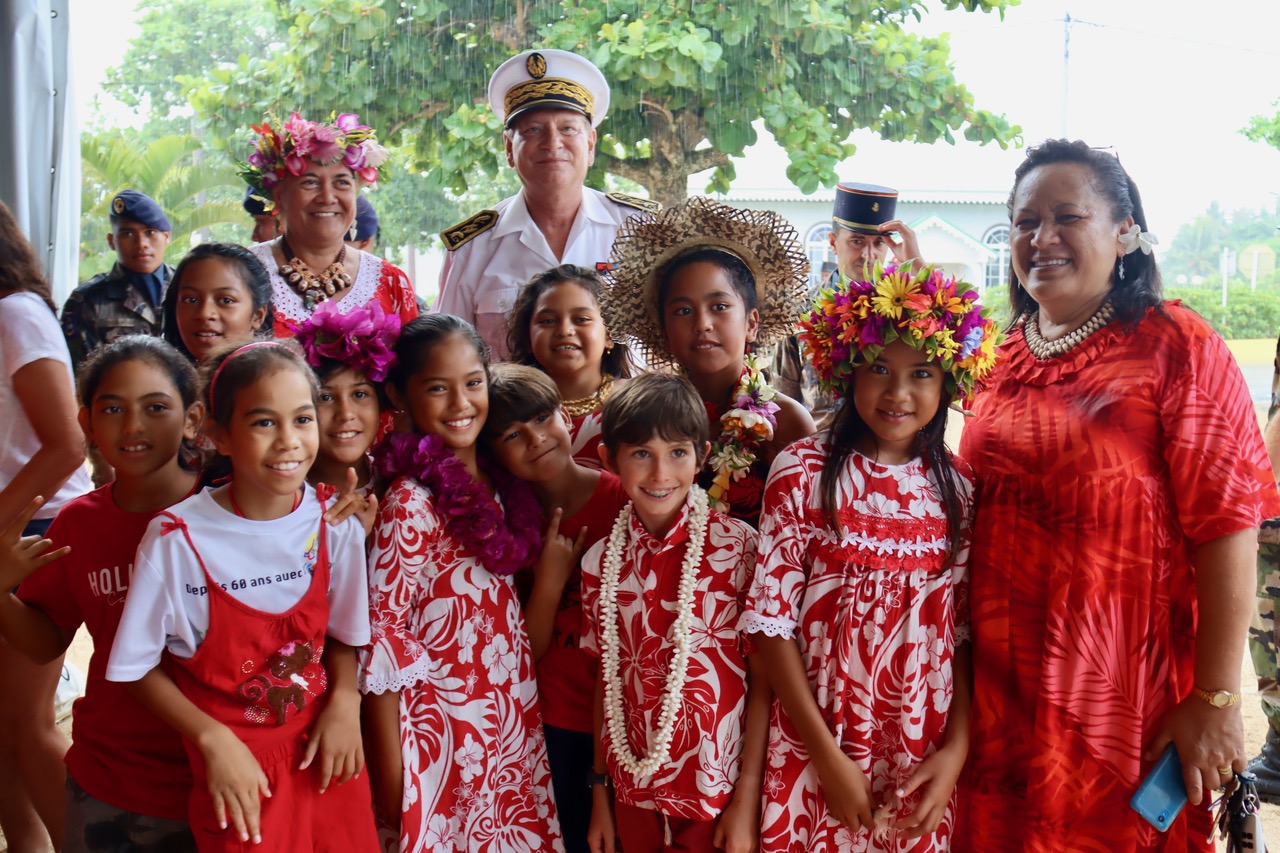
40	148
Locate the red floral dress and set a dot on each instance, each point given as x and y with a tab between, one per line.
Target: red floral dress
1098	472
706	746
449	636
877	614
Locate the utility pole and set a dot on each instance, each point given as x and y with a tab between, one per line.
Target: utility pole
1066	69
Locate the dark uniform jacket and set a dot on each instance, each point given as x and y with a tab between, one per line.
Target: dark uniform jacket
106	307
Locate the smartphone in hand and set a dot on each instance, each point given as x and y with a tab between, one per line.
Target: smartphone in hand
1161	796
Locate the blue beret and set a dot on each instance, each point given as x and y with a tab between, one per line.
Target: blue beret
366	219
138	207
253	202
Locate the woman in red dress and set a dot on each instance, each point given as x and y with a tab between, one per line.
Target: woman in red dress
1120	475
313	172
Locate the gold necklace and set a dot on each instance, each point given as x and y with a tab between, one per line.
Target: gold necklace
314	288
588	404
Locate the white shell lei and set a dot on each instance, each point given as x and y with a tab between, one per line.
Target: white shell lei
659	752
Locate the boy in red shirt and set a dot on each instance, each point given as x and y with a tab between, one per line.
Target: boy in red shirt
528	432
682	724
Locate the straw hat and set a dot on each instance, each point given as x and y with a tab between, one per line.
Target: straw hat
648	242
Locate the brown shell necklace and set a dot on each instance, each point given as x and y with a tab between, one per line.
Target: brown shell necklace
313	287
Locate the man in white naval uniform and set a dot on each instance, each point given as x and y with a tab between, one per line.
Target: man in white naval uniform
551	102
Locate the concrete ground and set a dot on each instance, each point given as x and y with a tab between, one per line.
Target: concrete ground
1255	360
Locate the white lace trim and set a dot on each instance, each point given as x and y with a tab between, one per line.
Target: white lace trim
898	547
401	679
771	626
288	304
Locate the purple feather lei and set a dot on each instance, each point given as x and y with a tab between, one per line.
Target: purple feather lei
502	542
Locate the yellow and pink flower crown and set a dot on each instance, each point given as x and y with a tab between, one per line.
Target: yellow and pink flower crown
286	148
851	324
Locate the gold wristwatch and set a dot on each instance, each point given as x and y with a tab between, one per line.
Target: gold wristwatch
1217	698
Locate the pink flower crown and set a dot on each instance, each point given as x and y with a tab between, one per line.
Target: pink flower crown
285	151
851	324
361	339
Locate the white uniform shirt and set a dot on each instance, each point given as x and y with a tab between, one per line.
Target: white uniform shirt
481	279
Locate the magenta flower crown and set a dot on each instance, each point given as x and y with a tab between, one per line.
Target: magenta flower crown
361	339
286	150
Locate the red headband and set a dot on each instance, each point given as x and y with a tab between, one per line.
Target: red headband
213	380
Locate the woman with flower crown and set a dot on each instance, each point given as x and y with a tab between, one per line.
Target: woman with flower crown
700	286
858	609
1122	480
455	743
312	172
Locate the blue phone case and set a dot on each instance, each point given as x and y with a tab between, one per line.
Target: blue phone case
1161	796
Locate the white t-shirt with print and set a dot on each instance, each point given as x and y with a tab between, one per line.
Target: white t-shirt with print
266	565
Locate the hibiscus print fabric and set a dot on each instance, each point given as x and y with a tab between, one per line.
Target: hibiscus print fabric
1098	472
877	613
449	636
706	745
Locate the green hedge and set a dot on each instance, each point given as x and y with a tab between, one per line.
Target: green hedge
1247	314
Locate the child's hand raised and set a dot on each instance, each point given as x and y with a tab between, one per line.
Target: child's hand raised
935	779
21	555
560	554
236	784
336	739
349	502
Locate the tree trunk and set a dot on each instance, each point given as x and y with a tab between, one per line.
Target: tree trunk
673	157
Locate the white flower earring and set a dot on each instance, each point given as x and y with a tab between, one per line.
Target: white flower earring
1132	240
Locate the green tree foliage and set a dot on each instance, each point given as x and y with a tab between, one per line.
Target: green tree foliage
690	80
1265	128
179	37
1248	315
174	170
1196	249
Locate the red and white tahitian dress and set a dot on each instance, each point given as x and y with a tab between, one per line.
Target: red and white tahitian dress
877	614
449	636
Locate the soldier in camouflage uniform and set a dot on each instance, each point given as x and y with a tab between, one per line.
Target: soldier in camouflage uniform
1264	643
126	300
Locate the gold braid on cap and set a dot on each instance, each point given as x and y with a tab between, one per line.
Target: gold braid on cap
552	90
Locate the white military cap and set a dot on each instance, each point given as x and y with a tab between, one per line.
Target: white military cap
548	78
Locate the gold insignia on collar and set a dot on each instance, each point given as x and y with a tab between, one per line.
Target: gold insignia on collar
118	205
536	65
466	230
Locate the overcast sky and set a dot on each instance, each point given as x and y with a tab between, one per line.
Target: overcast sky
1167	83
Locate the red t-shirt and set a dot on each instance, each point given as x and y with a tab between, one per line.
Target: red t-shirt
566	674
121	754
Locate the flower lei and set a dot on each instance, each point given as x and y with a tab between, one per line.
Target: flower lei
503	542
659	752
749	423
851	323
286	151
361	339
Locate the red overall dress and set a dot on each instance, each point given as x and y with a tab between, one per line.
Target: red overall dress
261	675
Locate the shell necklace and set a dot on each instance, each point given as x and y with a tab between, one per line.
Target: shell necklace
659	751
1044	349
588	404
313	287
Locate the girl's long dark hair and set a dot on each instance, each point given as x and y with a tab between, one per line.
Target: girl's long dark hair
843	434
616	361
254	275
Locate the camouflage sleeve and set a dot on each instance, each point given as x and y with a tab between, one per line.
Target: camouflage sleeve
77	330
